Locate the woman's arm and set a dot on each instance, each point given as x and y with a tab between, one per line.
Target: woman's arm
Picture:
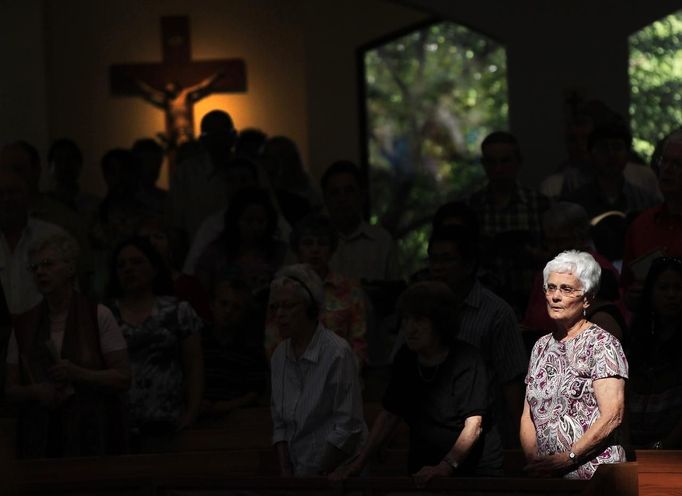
116	376
527	434
385	423
610	395
44	393
459	451
193	371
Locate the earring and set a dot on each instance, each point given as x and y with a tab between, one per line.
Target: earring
584	312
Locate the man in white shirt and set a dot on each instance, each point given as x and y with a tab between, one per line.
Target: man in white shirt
365	252
17	232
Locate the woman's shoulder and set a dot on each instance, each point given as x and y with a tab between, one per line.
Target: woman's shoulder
597	333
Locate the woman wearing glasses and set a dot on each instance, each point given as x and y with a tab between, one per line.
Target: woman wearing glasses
67	364
576	379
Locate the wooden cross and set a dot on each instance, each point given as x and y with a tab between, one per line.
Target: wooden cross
177	83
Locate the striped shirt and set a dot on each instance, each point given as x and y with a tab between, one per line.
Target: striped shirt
316	399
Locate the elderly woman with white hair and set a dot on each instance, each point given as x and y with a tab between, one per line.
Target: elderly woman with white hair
67	362
316	399
576	379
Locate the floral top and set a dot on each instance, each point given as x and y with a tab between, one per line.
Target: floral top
561	395
345	313
154	349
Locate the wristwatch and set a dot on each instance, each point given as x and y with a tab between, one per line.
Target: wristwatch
450	461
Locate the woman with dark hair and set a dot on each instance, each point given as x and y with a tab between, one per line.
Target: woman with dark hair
247	247
168	242
439	387
655	387
67	364
163	341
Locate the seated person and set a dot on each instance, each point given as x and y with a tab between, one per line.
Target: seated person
163	342
235	367
66	364
247	247
439	387
316	399
345	309
655	386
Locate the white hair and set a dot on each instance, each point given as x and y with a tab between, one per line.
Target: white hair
64	244
579	263
304	279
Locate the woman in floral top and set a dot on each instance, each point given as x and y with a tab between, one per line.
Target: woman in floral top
576	379
163	339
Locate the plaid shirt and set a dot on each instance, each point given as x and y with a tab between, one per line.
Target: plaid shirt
505	233
523	213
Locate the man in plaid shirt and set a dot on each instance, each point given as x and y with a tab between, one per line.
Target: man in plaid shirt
509	217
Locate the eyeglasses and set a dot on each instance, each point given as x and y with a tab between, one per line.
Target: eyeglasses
564	289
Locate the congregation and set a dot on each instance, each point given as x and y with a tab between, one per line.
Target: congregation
133	317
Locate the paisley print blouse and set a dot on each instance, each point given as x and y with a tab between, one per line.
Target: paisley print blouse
561	395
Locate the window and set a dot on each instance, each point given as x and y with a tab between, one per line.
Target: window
431	96
656	82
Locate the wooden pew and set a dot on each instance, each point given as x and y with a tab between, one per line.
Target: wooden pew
208	472
660	472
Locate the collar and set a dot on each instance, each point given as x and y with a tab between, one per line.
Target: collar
475	296
312	352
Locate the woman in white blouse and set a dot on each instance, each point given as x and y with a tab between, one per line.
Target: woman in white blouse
316	399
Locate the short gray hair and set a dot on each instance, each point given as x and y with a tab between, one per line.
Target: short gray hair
64	244
579	263
304	279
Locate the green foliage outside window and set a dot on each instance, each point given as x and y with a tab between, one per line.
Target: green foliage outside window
432	96
656	81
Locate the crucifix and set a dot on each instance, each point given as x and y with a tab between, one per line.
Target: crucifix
178	82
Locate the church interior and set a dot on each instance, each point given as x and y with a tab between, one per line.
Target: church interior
109	76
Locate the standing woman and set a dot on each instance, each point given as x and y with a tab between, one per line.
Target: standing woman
247	247
576	379
66	364
163	341
316	400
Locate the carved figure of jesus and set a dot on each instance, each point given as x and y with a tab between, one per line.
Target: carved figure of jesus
178	105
